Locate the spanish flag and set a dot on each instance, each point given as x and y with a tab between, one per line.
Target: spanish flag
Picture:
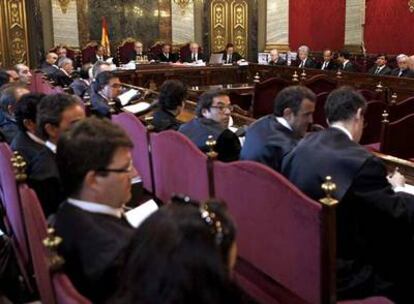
105	37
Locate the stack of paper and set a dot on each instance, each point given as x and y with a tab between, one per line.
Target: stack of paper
139	214
126	97
137	108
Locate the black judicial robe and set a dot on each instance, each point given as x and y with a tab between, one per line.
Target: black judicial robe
93	247
227	143
164	120
27	147
374	224
267	142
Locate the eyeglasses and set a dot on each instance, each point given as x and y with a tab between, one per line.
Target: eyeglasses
223	108
120	170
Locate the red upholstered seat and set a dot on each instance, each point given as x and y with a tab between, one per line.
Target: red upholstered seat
319	114
125	49
373	121
65	292
320	83
264	95
140	154
89	52
401	109
397	139
71	53
179	167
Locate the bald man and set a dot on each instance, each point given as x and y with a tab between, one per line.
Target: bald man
275	59
49	66
195	54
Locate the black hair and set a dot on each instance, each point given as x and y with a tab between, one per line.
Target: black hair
229	45
343	103
103	79
26	108
4	77
345	54
172	94
382	55
205	101
174	258
84	72
50	109
292	97
88	146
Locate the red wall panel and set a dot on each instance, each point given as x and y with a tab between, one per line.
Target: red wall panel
317	23
388	27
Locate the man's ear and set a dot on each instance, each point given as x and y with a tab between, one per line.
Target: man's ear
359	114
90	180
51	130
204	112
287	112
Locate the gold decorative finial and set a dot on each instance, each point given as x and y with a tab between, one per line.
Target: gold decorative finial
303	75
211	144
379	88
148	120
52	242
339	74
385	117
256	78
328	187
295	77
19	167
394	98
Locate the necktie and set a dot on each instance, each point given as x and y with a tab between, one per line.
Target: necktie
377	71
324	65
400	73
229	60
194	57
301	64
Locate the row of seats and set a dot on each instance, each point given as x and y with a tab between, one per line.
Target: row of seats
273	217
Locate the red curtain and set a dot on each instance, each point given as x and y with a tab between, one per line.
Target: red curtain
317	23
388	27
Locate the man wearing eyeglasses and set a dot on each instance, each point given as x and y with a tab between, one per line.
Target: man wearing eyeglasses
213	115
108	88
95	164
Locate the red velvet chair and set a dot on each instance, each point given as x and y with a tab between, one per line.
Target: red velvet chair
179	167
156	49
370	94
401	109
71	53
125	49
396	137
320	83
140	154
264	95
319	114
286	241
243	100
65	293
89	52
373	118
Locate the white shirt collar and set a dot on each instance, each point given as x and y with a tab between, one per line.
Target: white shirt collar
339	127
284	122
51	146
35	138
96	208
345	62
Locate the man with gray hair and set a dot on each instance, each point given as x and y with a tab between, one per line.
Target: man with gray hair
24	73
194	55
304	60
402	70
63	76
275	59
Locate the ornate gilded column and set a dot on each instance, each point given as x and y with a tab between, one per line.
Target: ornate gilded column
13	32
277	25
354	24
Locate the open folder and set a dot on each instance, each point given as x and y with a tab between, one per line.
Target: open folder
139	214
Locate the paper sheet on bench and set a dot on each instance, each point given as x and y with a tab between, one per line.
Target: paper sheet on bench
137	215
138	107
126	97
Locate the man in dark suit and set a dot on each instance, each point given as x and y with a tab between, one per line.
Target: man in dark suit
374	222
99	54
275	59
49	67
229	55
380	67
271	137
166	55
304	60
170	102
10	95
55	115
81	86
63	76
344	61
213	114
194	55
95	164
108	88
26	141
138	52
402	70
328	63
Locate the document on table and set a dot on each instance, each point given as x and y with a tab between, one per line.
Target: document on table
139	214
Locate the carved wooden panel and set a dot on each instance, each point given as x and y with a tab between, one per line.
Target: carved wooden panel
229	23
14	38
